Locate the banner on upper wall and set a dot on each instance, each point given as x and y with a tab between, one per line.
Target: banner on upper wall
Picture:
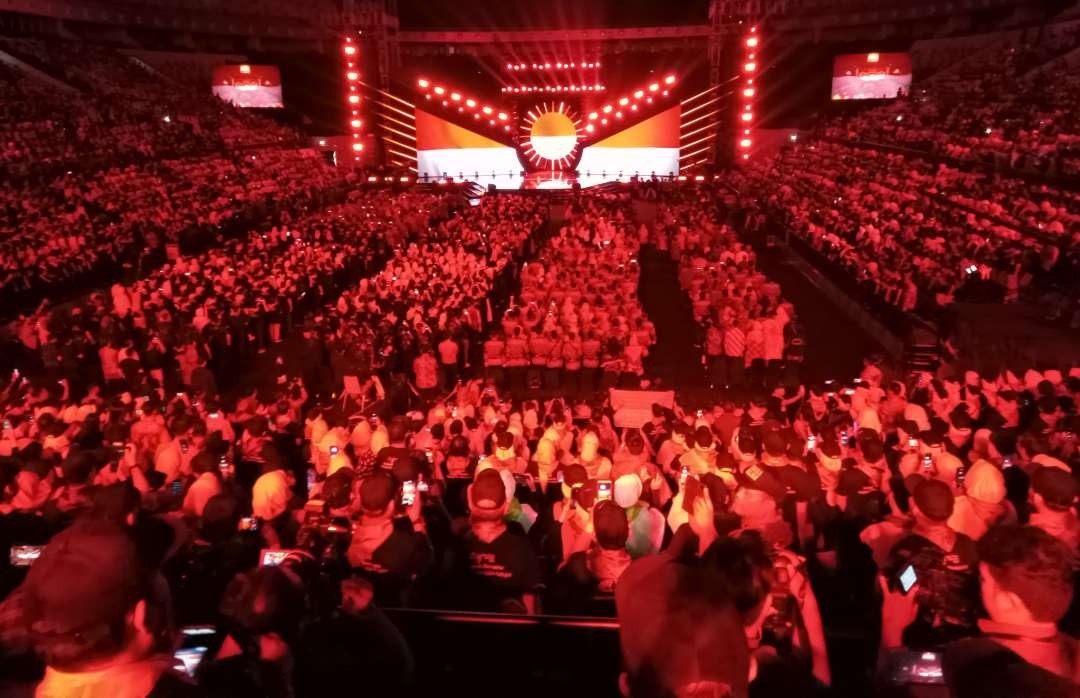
633	408
249	86
644	149
444	149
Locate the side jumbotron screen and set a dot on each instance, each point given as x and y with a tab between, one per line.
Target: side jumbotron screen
871	76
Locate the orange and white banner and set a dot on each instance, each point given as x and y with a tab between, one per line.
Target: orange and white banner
646	148
444	149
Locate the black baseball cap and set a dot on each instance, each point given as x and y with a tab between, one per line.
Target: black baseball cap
86	580
610	525
488	490
377	491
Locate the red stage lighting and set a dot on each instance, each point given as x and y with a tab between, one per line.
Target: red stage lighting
669	80
746	143
356	123
354	99
748	92
423	83
750	67
350	50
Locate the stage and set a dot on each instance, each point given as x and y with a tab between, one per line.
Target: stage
544	180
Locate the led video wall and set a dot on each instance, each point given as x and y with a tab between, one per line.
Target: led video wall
646	148
249	86
651	146
871	75
444	149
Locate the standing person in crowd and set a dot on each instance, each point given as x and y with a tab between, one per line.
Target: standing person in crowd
734	353
426	372
448	362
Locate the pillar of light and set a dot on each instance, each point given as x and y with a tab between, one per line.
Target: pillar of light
751	42
352	76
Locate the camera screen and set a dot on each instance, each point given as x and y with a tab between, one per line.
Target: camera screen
273	558
187	660
908	578
24	555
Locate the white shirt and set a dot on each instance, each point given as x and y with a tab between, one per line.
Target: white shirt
200	492
270	495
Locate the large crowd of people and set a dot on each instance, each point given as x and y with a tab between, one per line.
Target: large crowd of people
289	410
114	110
106	163
293	504
578	314
107	224
805	505
1011	103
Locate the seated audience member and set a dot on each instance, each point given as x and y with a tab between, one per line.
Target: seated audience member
782	639
1026	585
588	576
207	484
385	548
495	567
98	616
262	610
982	503
704	650
355	639
1053	495
945	562
200	571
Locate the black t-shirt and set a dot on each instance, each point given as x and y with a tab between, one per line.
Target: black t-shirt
337	650
404	555
982	668
948	596
490	574
391	454
199	575
578	588
780	676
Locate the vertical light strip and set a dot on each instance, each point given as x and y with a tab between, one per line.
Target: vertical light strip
353	121
744	118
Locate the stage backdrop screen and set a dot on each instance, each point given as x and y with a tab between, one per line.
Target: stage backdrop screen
871	75
257	86
444	149
646	148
